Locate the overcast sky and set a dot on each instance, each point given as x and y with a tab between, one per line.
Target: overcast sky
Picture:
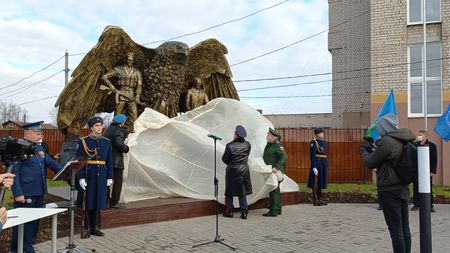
37	33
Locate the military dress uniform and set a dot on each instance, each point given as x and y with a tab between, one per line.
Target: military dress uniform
318	156
275	155
99	167
30	182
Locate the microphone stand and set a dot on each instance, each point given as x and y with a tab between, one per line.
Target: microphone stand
71	247
216	190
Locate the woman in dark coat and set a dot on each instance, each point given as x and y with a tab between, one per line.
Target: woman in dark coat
237	176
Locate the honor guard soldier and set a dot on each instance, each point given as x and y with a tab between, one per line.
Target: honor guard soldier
96	177
318	173
275	156
30	184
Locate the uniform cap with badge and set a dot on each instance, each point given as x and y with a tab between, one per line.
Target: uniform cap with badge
274	132
94	120
35	126
318	130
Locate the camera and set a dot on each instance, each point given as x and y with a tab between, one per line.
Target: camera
12	149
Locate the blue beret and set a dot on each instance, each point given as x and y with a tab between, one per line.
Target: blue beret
94	120
36	126
120	118
274	132
240	131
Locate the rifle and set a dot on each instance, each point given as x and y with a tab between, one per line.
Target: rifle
83	215
118	94
315	198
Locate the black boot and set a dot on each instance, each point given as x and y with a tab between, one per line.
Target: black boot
86	233
95	224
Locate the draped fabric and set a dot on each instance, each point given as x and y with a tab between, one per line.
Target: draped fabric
175	158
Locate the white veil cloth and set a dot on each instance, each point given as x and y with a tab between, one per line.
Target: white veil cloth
175	158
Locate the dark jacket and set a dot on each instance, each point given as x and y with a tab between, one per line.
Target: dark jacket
116	135
433	155
386	155
237	176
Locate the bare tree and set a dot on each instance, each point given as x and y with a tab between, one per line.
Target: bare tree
10	111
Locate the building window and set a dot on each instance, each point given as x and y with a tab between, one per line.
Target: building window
434	80
415	11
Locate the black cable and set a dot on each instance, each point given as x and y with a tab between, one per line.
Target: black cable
221	24
20	89
296	42
21	80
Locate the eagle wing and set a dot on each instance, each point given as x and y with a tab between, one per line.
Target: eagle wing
207	61
82	96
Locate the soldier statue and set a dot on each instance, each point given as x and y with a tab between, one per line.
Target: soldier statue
196	96
128	88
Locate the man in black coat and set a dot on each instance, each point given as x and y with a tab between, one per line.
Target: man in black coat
237	175
422	139
116	134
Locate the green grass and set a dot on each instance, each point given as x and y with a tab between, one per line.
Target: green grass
371	189
8	202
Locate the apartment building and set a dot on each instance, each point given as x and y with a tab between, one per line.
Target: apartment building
377	45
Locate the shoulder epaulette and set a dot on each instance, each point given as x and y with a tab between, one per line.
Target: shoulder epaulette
105	138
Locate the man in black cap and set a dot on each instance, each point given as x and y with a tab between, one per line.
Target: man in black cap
276	156
237	176
318	173
30	184
96	177
116	134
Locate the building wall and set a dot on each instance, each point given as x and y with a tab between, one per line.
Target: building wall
349	44
390	37
301	120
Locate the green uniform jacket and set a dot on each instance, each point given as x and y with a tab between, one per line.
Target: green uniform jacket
275	155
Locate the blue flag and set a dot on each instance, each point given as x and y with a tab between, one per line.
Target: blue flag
387	108
442	127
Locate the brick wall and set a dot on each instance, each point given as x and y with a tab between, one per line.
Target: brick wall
349	45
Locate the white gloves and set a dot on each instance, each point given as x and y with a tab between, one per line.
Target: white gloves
316	172
109	182
83	184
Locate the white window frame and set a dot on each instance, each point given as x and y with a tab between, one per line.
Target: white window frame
420	79
421	14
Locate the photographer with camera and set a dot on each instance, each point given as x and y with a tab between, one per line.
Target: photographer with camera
6	180
31	184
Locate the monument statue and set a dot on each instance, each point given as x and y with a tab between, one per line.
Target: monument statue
127	90
99	85
196	96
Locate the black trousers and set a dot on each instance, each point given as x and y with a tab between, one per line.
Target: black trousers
395	210
117	187
416	195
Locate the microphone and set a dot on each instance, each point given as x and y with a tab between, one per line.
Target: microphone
214	137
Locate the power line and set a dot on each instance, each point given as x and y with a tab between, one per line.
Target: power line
208	28
296	42
29	102
306	96
339	72
20	89
221	24
21	80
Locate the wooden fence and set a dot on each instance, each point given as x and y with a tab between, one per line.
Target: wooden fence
345	163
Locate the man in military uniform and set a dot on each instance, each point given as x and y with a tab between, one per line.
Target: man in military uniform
275	156
128	90
318	173
96	177
30	184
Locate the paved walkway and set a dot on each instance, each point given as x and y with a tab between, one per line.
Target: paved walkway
302	228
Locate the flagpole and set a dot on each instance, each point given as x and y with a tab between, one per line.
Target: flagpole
425	102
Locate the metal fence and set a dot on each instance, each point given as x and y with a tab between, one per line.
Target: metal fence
345	163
